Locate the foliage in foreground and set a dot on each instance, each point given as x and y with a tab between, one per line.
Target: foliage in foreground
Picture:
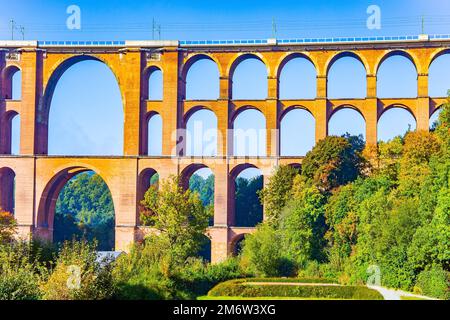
238	288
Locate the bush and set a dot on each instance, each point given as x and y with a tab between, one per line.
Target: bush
78	275
262	254
20	274
238	288
434	283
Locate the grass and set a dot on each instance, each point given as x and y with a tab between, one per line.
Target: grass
411	298
258	298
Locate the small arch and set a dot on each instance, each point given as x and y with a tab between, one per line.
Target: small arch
153	84
7	190
247	210
299	123
201	133
395	121
201	74
154	134
148	178
297	75
347	119
249	78
10	132
237	244
201	180
249	133
346	54
397	76
12	83
205	249
347	76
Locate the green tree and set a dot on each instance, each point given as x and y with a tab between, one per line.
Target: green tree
277	192
249	210
178	216
333	162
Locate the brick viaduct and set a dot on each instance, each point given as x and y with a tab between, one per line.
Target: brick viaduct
39	177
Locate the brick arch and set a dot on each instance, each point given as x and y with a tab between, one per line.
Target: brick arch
189	113
234	241
346	106
291	56
143	185
7	194
7	76
191	60
238	58
436	54
43	109
189	171
47	201
241	109
146	74
409	55
344	54
295	107
397	105
6	131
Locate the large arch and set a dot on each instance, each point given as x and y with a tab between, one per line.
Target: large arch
249	133
249	78
395	121
397	76
300	124
347	120
202	78
298	78
12	83
45	218
346	77
7	190
49	91
438	80
201	133
246	181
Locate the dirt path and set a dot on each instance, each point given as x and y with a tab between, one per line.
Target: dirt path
391	294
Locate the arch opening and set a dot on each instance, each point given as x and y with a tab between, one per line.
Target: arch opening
201	134
397	76
248	210
347	121
298	79
438	80
12	83
154	135
82	110
7	190
347	77
249	79
155	86
298	135
202	79
434	119
10	132
77	204
395	121
249	134
238	244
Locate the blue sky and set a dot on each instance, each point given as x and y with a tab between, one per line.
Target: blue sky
88	89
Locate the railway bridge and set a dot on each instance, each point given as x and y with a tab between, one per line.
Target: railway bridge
30	182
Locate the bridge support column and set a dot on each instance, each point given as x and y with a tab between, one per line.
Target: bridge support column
371	86
31	90
371	117
321	117
272	129
423	114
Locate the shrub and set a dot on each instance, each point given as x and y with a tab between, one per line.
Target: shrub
434	283
7	227
262	254
78	275
238	288
20	274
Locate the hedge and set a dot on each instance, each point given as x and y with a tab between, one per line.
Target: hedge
239	288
